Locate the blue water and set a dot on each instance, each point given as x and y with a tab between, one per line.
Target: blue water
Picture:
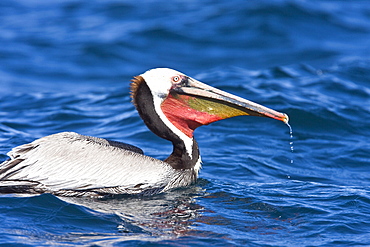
66	66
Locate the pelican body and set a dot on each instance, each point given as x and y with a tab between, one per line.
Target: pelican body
172	106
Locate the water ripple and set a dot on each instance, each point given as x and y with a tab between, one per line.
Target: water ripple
66	66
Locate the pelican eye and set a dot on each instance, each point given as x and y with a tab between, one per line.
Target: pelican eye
176	79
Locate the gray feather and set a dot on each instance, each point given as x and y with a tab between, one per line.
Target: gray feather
71	164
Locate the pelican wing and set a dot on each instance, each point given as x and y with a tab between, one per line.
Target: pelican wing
70	163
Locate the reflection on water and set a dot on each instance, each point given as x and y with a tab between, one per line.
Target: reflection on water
163	216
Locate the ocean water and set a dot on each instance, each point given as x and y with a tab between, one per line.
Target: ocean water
66	66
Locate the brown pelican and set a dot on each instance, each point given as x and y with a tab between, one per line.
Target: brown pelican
171	104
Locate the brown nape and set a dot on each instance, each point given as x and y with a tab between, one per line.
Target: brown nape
135	84
142	98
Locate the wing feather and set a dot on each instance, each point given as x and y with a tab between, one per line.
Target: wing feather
73	163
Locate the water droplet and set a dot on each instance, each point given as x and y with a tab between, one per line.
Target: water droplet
291	137
291	142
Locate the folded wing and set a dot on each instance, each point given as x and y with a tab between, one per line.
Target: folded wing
72	164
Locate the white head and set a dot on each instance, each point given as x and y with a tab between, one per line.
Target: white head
161	80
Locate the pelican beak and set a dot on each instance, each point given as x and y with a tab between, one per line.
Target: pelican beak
204	98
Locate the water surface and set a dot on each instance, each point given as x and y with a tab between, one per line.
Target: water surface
66	66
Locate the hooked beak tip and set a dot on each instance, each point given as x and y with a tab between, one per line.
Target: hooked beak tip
278	116
285	118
